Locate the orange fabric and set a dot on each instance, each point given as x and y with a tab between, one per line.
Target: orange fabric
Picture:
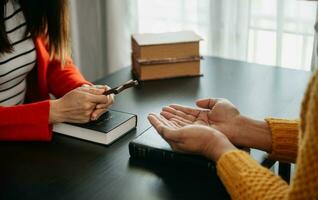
284	139
30	121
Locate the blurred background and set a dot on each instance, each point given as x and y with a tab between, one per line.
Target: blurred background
270	32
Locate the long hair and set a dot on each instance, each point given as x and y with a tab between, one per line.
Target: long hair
45	18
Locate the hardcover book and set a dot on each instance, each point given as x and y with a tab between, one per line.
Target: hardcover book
182	44
107	129
165	55
151	146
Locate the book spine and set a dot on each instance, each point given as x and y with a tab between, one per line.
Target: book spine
143	152
169	60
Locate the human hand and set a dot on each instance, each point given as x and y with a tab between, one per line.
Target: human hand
194	139
77	105
100	108
222	115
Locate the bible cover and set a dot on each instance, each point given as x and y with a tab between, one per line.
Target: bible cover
151	146
107	129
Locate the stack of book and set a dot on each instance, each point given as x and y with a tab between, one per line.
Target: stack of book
166	55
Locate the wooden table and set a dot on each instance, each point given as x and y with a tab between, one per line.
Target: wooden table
67	168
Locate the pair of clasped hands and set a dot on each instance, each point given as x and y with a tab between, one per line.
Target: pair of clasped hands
81	105
212	129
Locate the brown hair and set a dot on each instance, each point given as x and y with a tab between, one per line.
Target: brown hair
45	18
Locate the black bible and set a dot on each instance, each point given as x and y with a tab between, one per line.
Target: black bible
107	129
151	146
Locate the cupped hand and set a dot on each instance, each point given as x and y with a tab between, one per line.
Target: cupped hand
193	139
220	114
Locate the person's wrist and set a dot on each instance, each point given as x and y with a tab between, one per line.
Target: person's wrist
253	134
239	130
216	149
224	147
55	116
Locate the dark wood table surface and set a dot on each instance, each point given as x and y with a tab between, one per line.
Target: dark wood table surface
66	168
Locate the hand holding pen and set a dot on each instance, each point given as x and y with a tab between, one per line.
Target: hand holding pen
110	92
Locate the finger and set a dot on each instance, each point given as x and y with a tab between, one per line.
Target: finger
171	123
168	116
108	104
175	124
107	87
97	113
87	107
100	87
78	119
104	106
188	110
171	135
179	113
93	90
165	122
111	99
85	85
101	106
206	103
155	122
98	99
179	122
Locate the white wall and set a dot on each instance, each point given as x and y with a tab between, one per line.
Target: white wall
88	37
101	31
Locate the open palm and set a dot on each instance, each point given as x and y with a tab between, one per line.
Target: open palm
193	139
220	114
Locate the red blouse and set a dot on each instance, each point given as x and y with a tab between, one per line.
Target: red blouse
29	122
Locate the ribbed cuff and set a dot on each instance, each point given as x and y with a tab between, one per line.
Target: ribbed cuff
230	167
284	139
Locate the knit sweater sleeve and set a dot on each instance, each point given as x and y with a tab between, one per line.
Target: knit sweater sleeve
244	178
284	139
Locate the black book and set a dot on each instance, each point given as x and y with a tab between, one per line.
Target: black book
151	146
107	129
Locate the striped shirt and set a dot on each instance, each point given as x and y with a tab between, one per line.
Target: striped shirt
15	66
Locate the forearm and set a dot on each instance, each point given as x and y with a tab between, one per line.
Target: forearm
244	178
253	134
278	137
27	122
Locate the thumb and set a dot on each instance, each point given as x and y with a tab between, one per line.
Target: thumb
206	103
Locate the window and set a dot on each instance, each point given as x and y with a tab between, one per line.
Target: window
272	32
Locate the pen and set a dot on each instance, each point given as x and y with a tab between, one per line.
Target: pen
118	89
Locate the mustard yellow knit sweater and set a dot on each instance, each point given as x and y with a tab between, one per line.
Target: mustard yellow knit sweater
245	179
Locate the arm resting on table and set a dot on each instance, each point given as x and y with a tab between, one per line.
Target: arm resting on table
28	122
